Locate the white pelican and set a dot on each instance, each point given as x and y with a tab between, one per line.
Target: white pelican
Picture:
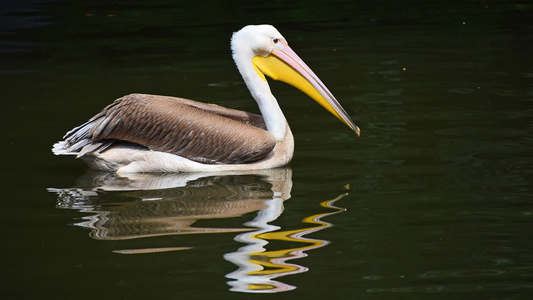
148	133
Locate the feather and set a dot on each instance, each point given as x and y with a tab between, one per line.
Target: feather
201	132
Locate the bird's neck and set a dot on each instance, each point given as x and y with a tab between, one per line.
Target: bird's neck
268	105
274	119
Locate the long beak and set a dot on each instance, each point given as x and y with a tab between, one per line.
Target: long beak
284	64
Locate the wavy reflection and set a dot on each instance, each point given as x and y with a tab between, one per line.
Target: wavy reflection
146	205
257	266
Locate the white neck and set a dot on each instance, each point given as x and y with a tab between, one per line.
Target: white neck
268	105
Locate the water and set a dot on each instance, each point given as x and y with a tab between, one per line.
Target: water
433	200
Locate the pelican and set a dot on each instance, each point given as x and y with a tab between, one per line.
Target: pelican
149	133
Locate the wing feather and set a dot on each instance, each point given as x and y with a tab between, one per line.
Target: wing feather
201	132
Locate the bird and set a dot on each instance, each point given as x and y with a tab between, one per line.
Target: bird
143	133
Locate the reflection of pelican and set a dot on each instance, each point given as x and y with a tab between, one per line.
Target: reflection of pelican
147	133
147	205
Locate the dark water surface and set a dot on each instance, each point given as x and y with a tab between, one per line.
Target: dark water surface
434	200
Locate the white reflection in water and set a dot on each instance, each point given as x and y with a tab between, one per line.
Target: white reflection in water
147	205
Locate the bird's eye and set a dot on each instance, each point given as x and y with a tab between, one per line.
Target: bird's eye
276	40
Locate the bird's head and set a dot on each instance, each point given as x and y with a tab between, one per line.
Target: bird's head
269	54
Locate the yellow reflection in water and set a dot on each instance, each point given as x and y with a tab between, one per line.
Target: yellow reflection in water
275	260
258	267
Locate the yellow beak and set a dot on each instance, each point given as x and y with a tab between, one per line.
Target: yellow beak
284	64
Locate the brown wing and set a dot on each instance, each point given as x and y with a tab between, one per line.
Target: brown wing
201	132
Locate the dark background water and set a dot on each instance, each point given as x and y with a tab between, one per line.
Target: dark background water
440	197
